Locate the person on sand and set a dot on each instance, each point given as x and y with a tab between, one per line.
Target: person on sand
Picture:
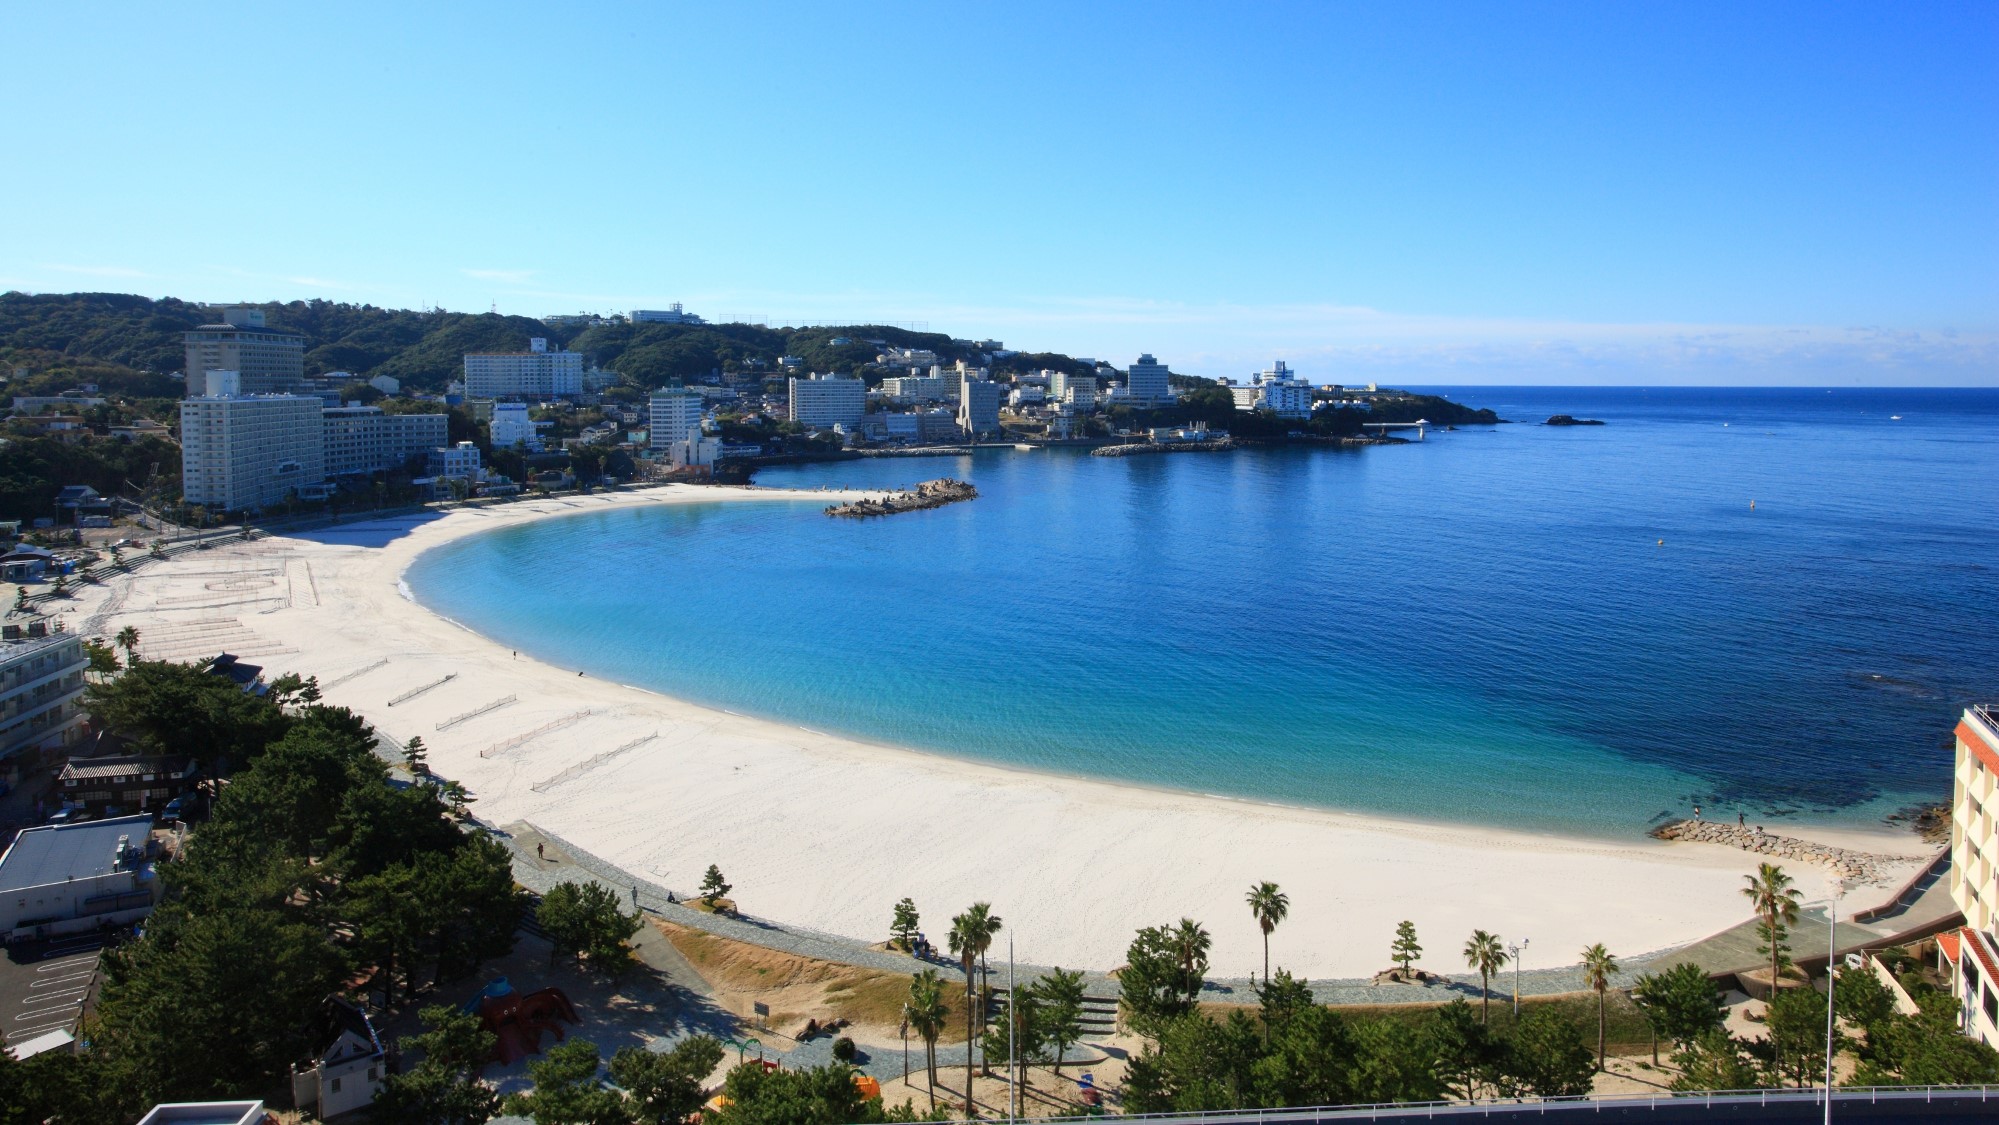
539	853
1738	820
1697	812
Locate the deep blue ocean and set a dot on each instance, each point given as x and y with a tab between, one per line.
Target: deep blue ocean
1577	630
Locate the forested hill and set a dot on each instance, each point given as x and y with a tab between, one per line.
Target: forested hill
74	335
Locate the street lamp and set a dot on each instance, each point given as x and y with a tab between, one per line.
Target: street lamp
1514	951
1831	971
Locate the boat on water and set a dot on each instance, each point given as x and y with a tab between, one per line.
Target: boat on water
1024	446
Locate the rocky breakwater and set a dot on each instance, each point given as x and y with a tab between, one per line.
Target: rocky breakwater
1139	449
1857	868
929	494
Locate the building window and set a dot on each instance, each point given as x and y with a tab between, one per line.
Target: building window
1992	1007
336	1085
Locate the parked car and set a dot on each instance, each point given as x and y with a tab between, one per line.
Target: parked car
70	816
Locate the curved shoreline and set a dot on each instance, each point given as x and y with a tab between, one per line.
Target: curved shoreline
829	831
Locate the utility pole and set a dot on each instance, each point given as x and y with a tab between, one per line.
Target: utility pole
1012	1086
1515	951
1831	953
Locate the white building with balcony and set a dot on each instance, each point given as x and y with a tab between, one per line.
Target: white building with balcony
1972	952
248	452
1146	383
825	401
674	416
536	375
41	692
364	439
511	427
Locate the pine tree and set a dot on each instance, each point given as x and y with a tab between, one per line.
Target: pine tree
414	756
712	886
905	923
1405	949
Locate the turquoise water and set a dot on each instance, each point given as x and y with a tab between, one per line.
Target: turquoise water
1482	628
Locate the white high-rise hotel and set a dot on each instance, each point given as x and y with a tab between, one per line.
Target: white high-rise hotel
242	451
675	416
536	374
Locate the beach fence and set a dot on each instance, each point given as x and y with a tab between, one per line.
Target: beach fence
503	701
416	691
356	673
585	766
525	737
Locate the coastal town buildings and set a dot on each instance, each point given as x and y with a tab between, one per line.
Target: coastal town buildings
510	426
1146	383
110	785
674	415
1277	390
933	387
454	462
41	692
1079	391
978	404
824	401
671	314
536	375
1972	952
266	360
364	439
248	451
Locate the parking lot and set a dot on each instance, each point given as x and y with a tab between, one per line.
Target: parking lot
45	986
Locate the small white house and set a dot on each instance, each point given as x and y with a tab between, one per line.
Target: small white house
348	1070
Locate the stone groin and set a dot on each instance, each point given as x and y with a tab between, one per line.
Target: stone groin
920	451
1140	448
1865	868
929	494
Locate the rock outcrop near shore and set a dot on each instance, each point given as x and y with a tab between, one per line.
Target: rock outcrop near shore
929	494
1571	420
1857	868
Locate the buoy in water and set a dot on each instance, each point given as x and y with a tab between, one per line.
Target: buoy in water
1752	505
1662	542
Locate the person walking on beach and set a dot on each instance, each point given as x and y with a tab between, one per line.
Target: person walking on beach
1697	812
1738	819
540	854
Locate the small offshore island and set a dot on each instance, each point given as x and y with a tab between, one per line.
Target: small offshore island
1570	420
928	494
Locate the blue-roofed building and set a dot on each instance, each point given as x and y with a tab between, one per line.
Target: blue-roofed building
206	1113
74	878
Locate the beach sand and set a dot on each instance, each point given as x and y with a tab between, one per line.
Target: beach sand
828	832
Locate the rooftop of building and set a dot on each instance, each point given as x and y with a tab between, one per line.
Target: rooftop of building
274	334
205	1113
91	769
14	646
55	853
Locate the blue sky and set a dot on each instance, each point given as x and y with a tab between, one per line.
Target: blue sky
1573	193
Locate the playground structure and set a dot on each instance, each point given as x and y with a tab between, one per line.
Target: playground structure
517	1021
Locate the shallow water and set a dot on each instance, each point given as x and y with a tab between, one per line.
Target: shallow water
1563	629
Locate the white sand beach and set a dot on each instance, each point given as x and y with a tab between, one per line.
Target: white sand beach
828	832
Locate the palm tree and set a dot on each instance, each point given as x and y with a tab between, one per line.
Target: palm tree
971	935
925	1011
1269	905
1774	897
1191	939
1598	965
128	639
1486	953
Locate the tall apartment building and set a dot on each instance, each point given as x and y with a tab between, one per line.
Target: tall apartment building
828	400
674	417
363	439
249	451
268	361
535	375
978	405
41	693
1146	383
1973	950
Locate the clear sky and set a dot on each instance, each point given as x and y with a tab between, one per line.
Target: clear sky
1573	193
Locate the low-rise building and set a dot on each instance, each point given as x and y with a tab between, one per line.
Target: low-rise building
41	693
454	462
672	314
347	1071
510	427
126	784
206	1113
76	878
